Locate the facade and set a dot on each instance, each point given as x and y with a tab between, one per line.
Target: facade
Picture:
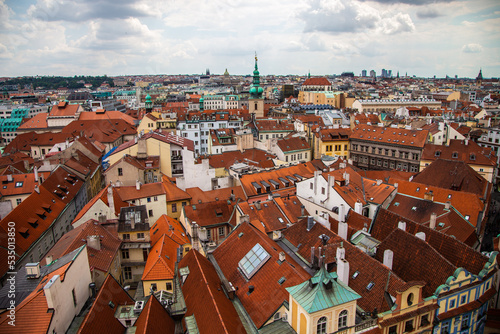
378	148
291	149
390	106
331	142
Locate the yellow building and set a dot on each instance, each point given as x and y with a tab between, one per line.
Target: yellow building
412	313
160	267
169	147
331	142
335	99
323	304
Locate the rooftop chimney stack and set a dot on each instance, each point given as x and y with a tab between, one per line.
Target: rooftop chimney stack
358	207
94	241
402	225
282	256
310	223
388	257
343	230
137	185
432	222
447	205
343	271
302	210
341	213
420	235
312	256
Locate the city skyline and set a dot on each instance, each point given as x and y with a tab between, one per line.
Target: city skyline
422	38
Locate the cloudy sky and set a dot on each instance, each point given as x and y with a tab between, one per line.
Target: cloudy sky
96	37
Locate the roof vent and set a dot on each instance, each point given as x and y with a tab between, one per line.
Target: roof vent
139	305
32	270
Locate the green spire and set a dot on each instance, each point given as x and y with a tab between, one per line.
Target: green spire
256	91
148	104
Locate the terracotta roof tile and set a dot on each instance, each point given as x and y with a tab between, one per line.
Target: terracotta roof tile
205	299
154	318
457	150
169	227
211	213
392	136
291	144
128	193
268	294
321	81
101	313
161	260
266	214
200	196
254	157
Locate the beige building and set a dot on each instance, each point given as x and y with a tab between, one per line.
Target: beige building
390	106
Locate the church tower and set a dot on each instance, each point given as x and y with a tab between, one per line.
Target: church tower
479	78
256	101
148	104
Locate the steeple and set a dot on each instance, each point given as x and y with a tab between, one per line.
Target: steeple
148	104
256	91
480	75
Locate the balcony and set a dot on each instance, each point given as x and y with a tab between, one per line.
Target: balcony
176	157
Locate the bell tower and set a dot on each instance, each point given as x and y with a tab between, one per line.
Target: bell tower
256	101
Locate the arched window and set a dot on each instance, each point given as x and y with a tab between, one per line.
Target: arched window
321	326
343	319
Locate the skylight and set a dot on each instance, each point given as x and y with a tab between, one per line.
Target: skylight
253	260
370	286
356	273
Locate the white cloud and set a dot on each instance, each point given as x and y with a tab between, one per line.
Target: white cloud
341	16
472	48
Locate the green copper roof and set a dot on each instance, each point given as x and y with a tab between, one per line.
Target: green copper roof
321	292
148	98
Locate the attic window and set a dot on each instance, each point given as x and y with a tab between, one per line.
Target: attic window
370	286
281	220
414	208
441	224
356	273
418	188
24	232
257	187
275	184
454	155
396	204
19	184
218	212
253	260
437	154
282	280
473	156
449	196
33	222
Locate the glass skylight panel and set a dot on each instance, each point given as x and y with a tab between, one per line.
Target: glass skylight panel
253	260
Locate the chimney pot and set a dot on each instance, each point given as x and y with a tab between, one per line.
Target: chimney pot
432	222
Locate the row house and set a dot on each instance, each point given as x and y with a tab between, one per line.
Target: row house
291	149
331	142
387	105
197	126
482	159
222	140
376	147
168	147
42	218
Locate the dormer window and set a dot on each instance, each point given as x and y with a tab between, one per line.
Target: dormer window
437	154
473	156
454	155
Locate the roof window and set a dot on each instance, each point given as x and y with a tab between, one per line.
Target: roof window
370	286
253	260
356	273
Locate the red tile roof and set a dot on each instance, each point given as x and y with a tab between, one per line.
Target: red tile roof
213	311
211	213
273	125
128	193
268	294
321	81
65	109
369	270
327	135
169	227
457	150
253	157
24	141
173	193
293	144
100	259
290	206
107	115
453	175
391	136
21	184
264	216
39	121
161	260
101	313
154	319
104	131
165	137
200	196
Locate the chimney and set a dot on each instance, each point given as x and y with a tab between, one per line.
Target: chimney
312	257
282	256
396	186
320	258
402	225
343	271
244	219
341	213
49	290
331	184
340	252
37	189
432	221
346	177
132	221
250	289
466	142
358	207
447	205
232	197
379	182
420	235
32	270
302	210
94	241
137	185
111	200
9	178
49	259
429	196
37	180
257	205
343	230
310	223
388	257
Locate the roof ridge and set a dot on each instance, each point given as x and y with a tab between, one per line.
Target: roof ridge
210	291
